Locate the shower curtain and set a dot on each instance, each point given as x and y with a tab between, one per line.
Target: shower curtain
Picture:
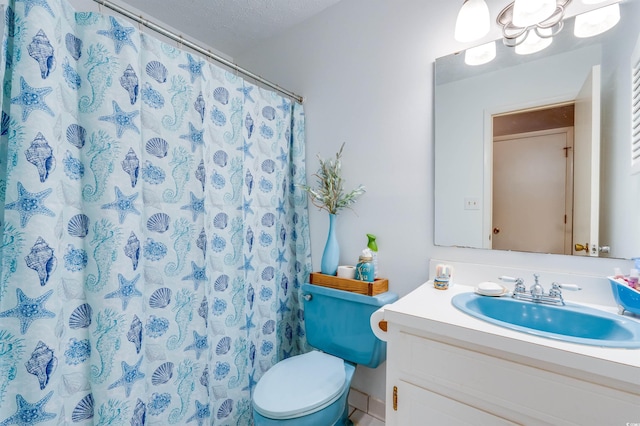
154	238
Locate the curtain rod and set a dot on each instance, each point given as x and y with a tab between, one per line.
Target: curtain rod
208	53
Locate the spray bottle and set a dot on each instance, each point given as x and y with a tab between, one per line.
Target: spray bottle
373	246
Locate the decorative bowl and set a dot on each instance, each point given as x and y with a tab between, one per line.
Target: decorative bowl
627	298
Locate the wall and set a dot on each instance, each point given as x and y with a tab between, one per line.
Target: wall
92	6
365	68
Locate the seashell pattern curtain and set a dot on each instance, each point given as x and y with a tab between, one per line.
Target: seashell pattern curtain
153	236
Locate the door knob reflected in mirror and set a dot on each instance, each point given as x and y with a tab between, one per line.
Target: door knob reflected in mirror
581	247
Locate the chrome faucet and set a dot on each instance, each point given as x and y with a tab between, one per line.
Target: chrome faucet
536	289
536	293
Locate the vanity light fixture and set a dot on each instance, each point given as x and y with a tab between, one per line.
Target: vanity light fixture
473	21
533	26
528	25
531	12
480	54
534	43
597	21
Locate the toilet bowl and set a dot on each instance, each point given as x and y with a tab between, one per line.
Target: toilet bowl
312	389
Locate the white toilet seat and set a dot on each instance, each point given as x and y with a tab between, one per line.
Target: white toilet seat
299	386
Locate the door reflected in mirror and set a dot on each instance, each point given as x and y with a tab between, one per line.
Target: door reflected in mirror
533	180
485	151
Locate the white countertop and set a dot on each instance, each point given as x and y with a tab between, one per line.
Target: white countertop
429	312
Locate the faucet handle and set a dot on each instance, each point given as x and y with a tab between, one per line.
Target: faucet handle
519	287
571	287
555	291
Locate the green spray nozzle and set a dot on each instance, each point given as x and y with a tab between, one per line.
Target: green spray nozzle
372	242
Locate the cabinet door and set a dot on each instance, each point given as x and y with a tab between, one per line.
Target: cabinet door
419	406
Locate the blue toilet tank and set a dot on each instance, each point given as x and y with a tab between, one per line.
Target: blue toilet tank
338	323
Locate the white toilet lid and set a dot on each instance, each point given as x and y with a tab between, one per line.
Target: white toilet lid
299	385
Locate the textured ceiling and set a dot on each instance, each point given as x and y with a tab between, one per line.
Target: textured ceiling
229	26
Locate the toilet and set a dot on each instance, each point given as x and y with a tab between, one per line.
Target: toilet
312	389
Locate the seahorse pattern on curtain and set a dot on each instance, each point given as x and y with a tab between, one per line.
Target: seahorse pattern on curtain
154	239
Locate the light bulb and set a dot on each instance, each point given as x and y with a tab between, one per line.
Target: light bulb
534	43
480	54
473	21
597	21
531	12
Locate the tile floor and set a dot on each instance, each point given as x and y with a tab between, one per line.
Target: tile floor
360	418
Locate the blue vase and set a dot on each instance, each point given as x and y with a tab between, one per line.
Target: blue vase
331	254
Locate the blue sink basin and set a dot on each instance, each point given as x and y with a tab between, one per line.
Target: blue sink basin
570	323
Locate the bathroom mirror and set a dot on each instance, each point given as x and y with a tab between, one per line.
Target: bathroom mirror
468	165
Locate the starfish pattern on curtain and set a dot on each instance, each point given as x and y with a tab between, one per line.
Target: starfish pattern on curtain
154	237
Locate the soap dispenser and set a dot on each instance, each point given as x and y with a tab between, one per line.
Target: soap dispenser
373	246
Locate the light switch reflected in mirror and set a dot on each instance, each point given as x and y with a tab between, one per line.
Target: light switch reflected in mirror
468	98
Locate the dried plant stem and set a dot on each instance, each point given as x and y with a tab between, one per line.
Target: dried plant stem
329	194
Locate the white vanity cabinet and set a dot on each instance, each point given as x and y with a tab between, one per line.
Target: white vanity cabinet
446	368
421	406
